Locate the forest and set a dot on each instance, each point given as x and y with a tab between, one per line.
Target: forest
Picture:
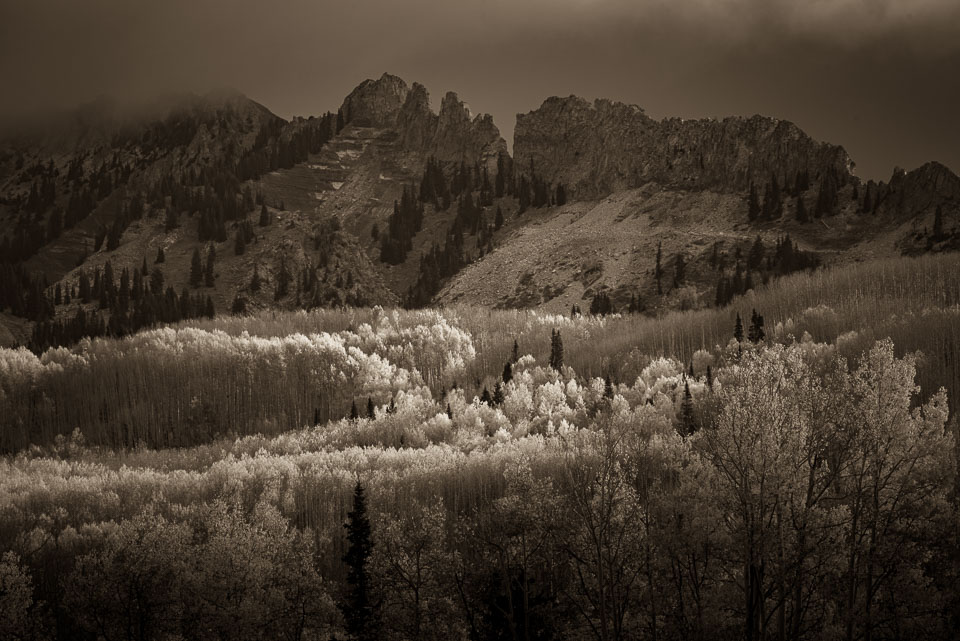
781	468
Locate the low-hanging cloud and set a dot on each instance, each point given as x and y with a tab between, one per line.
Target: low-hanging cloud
875	75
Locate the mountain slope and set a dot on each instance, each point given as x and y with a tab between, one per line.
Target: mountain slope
307	207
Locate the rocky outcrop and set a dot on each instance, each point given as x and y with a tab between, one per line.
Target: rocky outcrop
375	103
914	193
595	149
452	136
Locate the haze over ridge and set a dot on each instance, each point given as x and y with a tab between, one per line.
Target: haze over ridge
872	75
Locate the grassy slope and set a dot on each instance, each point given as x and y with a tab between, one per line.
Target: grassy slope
562	256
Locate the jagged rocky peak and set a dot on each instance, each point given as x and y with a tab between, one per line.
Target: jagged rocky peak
598	148
376	103
416	123
453	135
921	190
932	177
460	136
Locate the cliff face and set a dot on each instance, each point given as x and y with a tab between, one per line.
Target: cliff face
924	188
453	135
375	103
595	149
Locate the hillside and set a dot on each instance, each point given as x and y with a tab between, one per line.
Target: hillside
593	191
558	257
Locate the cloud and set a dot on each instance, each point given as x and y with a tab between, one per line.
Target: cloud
875	75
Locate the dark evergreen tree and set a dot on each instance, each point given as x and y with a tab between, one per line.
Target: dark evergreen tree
485	396
498	220
156	282
507	375
757	254
801	212
239	305
240	246
354	412
756	334
264	216
283	281
498	397
171	220
556	350
255	280
607	387
196	269
687	420
359	612
160	255
680	271
738	329
371	412
208	271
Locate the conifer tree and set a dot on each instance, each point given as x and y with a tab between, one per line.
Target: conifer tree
371	413
757	254
358	609
756	333
171	221
241	244
156	282
738	329
709	377
507	373
498	220
607	387
556	350
801	214
687	421
196	269
516	352
255	280
239	305
485	396
264	215
680	273
208	274
498	397
160	255
354	412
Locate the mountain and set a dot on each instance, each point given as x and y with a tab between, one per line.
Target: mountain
389	202
596	149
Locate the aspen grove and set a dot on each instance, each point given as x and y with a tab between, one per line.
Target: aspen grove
468	474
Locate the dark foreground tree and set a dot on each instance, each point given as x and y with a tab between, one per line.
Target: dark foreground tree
358	610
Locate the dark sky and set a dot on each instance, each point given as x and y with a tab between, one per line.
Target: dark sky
881	77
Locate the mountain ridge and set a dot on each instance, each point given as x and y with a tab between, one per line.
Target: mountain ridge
689	182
